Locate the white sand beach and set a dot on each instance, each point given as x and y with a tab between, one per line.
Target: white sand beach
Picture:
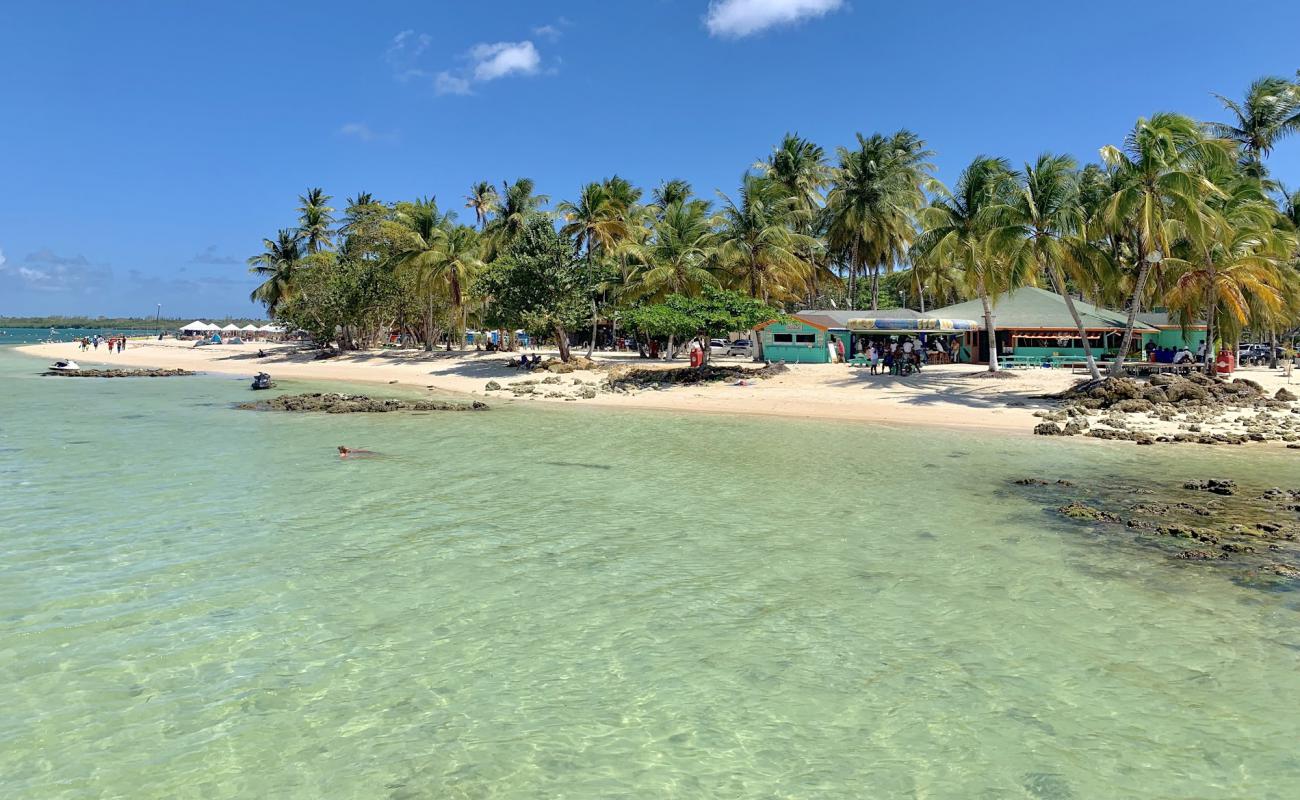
959	396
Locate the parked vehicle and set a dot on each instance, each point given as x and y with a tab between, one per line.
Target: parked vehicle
741	347
718	347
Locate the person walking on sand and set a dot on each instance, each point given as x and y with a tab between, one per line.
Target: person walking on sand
839	350
873	357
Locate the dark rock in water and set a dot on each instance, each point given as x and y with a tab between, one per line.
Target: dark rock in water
119	373
354	404
1197	555
1285	570
1077	510
1215	485
1047	429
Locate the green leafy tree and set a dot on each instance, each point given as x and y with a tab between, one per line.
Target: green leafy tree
538	284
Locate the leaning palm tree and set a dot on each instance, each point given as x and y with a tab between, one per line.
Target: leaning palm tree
421	252
278	263
1269	112
1044	225
314	220
1160	191
483	198
956	229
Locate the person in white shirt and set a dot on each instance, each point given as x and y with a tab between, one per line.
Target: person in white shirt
1183	356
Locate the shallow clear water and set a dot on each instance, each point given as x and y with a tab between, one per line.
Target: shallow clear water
198	602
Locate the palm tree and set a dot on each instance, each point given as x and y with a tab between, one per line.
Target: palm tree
278	263
1233	271
597	221
757	242
1269	112
875	195
1044	225
314	220
677	257
671	191
483	198
423	254
1160	191
956	229
515	206
799	167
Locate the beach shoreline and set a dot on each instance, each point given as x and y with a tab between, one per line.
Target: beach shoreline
952	397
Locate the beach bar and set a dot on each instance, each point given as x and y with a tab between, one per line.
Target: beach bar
1035	323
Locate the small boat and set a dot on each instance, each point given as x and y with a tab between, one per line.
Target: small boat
65	366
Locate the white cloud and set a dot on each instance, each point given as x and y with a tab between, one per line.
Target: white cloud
738	18
363	132
489	62
404	53
446	83
492	61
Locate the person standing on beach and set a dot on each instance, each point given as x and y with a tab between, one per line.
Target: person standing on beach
873	356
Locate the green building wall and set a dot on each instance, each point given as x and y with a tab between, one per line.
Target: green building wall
810	351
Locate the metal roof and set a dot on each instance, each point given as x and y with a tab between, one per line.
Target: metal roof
1031	308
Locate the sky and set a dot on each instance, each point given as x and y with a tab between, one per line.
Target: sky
147	147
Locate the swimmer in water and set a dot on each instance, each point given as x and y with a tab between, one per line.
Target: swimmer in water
345	452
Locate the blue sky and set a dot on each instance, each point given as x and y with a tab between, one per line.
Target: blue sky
147	147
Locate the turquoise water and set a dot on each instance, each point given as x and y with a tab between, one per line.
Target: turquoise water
198	602
34	335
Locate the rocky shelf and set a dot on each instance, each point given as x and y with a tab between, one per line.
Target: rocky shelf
1196	408
1255	533
328	403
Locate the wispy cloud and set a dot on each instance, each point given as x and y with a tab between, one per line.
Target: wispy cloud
553	31
47	271
403	54
739	18
490	62
363	132
209	255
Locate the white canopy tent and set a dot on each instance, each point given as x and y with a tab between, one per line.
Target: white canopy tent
197	326
231	328
249	329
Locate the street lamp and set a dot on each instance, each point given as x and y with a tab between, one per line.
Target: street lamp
157	320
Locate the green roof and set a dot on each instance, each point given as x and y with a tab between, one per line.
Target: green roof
1030	308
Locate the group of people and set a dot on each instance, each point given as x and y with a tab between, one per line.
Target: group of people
117	343
902	356
1174	355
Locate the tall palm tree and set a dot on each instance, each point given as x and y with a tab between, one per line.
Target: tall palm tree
278	263
1160	191
677	257
671	191
483	198
875	195
956	229
799	167
757	243
1269	112
314	220
1231	275
516	205
597	221
422	254
1044	225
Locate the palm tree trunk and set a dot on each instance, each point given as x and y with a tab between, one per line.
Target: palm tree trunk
428	327
562	339
1211	311
1059	280
989	331
875	286
1117	368
853	275
1272	349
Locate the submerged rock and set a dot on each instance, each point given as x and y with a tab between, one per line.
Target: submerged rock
354	404
120	373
